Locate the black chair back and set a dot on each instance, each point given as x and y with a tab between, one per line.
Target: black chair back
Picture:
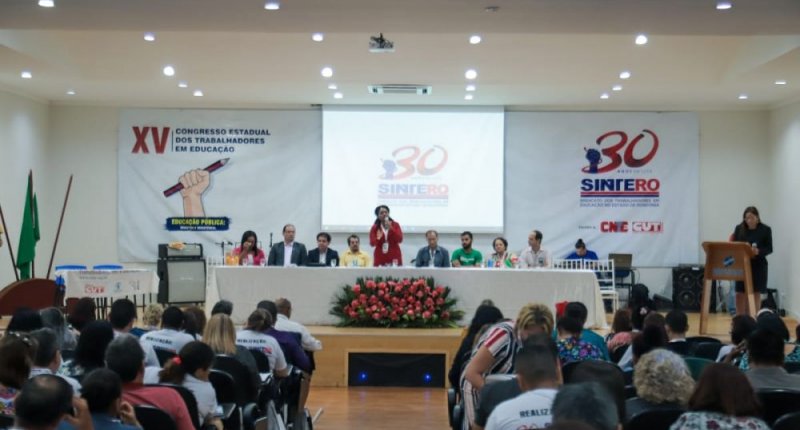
630	391
188	398
569	368
67	354
788	422
792	366
655	419
6	421
680	348
699	339
262	361
707	350
164	356
617	354
627	376
777	403
152	418
246	391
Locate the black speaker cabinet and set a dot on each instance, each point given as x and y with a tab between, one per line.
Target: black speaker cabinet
182	281
687	288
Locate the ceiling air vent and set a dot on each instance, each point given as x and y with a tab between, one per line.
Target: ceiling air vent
420	90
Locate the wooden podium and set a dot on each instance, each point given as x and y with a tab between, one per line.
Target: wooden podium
727	261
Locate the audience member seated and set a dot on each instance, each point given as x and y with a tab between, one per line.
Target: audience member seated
538	375
220	335
290	345
432	255
621	331
581	253
190	369
765	349
494	352
253	337
677	324
578	311
485	316
653	318
570	345
25	320
122	318
16	359
741	327
770	321
722	400
52	318
605	374
653	337
82	313
586	402
102	391
284	323
151	317
170	337
194	322
47	360
222	307
91	348
662	381
125	357
45	401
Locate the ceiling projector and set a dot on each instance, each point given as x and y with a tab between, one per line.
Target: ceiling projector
379	44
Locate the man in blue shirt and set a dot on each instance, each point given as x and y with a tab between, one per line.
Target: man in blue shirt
581	253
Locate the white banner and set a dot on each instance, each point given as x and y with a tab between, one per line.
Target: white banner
206	176
623	182
109	283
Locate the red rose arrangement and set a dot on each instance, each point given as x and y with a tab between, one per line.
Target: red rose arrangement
399	303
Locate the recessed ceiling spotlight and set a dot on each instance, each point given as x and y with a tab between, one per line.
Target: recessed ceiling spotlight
641	39
491	8
604	96
333	87
338	95
47	3
471	74
272	5
468	97
169	70
183	84
743	97
150	36
724	5
780	82
326	72
26	74
198	93
70	92
625	74
317	37
475	39
471	87
616	88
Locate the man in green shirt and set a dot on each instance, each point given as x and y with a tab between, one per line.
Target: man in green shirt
466	256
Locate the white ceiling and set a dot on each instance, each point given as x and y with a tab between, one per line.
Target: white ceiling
549	54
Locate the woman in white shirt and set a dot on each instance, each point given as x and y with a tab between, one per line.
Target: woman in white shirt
190	368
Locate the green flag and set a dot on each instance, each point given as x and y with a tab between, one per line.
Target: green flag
29	235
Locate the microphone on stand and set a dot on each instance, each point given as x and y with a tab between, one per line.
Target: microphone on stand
270	240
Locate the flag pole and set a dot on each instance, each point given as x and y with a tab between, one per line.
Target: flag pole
10	248
33	220
58	230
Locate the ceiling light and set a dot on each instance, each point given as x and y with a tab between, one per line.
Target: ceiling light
26	74
317	37
468	97
198	93
272	5
743	97
475	39
169	70
326	72
71	92
471	74
625	74
604	96
641	39
150	37
338	95
332	87
47	3
183	84
470	87
724	5
780	82
616	88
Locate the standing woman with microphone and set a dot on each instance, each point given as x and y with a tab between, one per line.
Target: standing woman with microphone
759	236
386	236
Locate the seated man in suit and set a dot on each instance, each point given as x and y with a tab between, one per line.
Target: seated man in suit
323	255
432	255
354	256
296	251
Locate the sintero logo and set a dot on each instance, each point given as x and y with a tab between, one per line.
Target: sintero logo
409	160
615	150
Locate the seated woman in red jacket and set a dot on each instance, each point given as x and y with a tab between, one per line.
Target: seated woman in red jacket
386	236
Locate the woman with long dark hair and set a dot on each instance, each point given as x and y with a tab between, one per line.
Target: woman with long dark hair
759	236
485	316
91	349
190	369
248	251
385	236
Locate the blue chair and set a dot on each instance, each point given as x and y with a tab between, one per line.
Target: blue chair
107	267
70	267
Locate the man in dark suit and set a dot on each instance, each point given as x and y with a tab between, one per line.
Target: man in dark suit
433	254
296	250
323	255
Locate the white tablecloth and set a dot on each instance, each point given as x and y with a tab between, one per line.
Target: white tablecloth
109	283
312	290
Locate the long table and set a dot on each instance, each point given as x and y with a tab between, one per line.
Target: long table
312	290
